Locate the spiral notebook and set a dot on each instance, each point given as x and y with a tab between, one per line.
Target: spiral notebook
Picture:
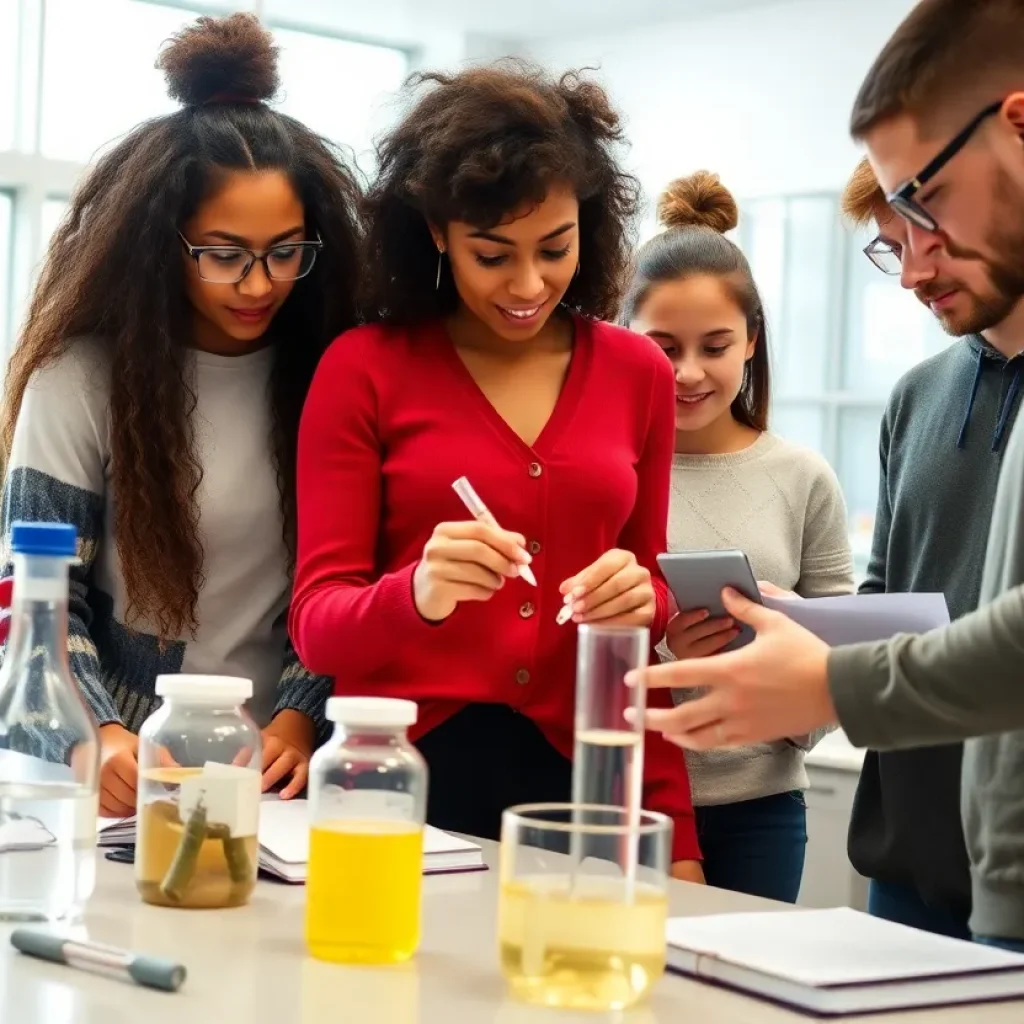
837	962
284	842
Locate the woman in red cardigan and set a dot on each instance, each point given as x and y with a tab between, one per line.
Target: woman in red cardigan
496	242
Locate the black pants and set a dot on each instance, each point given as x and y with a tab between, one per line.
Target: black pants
485	758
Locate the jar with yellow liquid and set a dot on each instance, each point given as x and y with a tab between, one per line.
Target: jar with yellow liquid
199	795
368	802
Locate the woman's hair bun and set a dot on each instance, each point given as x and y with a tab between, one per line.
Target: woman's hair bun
230	59
698	200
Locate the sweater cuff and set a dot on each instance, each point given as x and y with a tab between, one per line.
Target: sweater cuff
857	675
396	594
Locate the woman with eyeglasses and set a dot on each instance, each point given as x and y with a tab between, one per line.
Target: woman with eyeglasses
154	395
497	238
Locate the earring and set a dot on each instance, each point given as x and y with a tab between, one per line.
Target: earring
440	260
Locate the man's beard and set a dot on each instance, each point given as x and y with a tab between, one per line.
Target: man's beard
1004	263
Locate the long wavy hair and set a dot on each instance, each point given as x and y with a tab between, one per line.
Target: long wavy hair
115	271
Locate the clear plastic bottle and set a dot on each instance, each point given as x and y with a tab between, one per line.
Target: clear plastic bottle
368	802
49	741
199	795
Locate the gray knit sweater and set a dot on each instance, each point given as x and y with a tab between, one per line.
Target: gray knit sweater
782	505
59	472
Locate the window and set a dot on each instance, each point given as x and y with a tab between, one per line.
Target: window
53	210
801	424
857	467
339	88
95	93
6	217
790	244
9	29
887	331
842	334
801	336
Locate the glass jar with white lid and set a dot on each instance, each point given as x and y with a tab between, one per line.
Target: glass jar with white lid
200	757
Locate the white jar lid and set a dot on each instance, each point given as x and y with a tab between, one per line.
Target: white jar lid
370	711
204	689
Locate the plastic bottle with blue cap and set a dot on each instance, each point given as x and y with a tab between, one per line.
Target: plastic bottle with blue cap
49	741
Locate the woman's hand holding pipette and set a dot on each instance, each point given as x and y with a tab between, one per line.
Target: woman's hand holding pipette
465	561
613	591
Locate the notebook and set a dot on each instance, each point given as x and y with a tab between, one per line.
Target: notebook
835	962
284	842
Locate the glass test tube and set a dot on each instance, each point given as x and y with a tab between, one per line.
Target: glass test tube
609	751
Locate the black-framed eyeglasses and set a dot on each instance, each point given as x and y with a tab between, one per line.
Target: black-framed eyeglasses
902	199
888	258
229	264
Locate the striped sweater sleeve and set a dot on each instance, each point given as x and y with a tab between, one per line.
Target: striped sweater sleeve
301	690
57	473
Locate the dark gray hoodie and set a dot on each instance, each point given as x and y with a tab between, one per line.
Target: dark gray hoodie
941	445
966	680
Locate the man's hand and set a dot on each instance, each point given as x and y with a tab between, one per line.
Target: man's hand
776	686
287	748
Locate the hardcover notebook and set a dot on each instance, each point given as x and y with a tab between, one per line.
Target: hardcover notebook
835	962
284	842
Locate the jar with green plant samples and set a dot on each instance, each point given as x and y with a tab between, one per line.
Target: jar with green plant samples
199	795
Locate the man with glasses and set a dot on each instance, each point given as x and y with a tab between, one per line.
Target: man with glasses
942	441
951	162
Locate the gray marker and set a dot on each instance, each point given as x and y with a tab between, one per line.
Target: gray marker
151	971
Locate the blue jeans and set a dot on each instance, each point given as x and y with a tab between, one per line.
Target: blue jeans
901	903
755	846
1013	945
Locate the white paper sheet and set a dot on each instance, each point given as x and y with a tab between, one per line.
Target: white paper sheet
856	618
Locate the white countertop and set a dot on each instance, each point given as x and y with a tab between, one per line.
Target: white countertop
248	966
836	752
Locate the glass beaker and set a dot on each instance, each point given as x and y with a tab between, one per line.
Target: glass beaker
608	758
587	934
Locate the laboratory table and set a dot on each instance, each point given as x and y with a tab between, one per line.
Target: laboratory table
249	966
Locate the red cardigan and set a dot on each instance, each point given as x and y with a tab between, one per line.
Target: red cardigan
392	418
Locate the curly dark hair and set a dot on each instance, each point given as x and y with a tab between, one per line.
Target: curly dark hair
477	145
115	270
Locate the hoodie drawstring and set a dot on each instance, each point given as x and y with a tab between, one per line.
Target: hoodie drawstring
962	437
1007	410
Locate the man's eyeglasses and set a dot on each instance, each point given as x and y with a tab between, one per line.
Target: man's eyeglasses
229	264
902	198
887	258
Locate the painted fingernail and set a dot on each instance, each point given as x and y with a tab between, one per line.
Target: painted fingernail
524	557
630	715
631	679
564	615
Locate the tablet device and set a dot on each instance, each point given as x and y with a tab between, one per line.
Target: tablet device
697	579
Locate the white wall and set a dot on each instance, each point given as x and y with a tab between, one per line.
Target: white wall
761	96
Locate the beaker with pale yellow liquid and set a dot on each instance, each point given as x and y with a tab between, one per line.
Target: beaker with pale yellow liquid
583	932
